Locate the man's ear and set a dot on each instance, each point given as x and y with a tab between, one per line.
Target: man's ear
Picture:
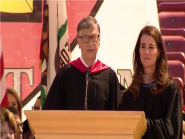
78	41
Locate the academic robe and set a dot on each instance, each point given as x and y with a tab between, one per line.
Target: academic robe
163	111
68	89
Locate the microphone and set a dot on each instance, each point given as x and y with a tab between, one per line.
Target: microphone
87	72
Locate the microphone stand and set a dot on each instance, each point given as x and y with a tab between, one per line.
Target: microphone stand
86	88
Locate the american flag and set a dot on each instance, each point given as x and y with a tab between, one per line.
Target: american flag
3	94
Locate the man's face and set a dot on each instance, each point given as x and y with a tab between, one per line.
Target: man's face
37	105
18	134
88	41
12	101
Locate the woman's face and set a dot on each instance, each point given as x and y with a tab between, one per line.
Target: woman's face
148	52
7	132
12	101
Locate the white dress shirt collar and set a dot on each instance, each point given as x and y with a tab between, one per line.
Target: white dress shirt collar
85	63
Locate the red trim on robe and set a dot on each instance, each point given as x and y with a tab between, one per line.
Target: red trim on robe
96	67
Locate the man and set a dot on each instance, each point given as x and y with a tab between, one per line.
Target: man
15	113
37	105
73	89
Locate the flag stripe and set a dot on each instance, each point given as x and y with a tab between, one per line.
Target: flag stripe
3	94
43	95
62	30
1	66
4	101
2	88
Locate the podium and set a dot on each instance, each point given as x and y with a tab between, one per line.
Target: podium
52	124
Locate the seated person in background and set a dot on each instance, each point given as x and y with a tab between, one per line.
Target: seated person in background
14	100
37	105
152	90
15	113
8	124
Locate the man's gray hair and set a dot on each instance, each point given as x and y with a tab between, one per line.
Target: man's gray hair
87	23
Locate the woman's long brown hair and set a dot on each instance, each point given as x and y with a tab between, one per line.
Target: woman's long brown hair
161	71
14	93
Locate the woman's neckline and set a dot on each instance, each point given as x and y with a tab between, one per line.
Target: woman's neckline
148	78
148	84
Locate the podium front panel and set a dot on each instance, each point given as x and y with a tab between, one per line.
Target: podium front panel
87	124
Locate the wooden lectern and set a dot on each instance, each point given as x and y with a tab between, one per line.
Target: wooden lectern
86	124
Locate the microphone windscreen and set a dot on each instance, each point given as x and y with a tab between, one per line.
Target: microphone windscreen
87	71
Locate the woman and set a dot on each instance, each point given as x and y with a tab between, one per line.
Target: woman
14	100
8	124
152	90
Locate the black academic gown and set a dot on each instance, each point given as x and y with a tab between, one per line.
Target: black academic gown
163	111
68	89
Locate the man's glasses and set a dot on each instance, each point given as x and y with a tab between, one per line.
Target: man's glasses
86	38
